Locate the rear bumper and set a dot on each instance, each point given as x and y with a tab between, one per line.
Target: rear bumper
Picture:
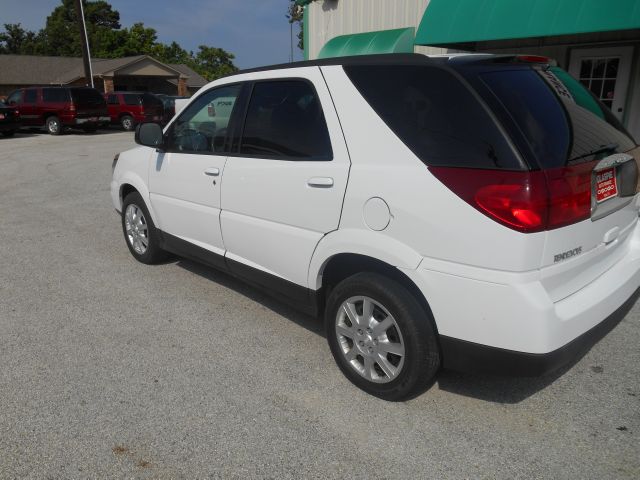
508	322
464	356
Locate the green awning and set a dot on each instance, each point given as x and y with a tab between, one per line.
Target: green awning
447	22
384	41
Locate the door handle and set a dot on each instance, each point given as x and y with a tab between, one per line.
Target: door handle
212	172
320	182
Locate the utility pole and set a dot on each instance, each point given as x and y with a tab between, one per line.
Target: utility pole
86	56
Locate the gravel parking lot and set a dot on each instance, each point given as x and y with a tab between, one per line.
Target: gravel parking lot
113	369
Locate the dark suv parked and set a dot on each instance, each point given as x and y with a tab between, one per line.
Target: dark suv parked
59	107
130	108
9	120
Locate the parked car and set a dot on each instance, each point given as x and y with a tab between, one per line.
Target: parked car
57	108
130	108
9	120
472	212
169	104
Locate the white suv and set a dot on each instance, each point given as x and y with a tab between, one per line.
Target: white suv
476	212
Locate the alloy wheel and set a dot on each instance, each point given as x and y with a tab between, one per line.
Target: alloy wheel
370	339
136	228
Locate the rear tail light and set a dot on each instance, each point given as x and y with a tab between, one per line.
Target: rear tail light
72	107
524	201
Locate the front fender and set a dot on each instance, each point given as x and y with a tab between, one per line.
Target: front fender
360	242
138	183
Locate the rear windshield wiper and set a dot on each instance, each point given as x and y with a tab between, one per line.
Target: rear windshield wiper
601	149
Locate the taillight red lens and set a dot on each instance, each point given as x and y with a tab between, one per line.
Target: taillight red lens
72	107
570	194
524	201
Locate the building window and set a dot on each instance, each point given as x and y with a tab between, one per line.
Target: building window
599	75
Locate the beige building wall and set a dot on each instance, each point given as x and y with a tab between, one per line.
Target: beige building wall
331	18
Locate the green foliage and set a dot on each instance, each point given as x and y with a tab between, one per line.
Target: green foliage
295	15
61	37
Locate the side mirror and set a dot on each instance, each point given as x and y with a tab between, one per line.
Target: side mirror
150	135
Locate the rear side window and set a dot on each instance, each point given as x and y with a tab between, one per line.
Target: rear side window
560	119
435	115
55	95
87	96
285	120
149	100
112	100
132	99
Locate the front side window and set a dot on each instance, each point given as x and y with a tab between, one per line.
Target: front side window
202	126
30	96
285	120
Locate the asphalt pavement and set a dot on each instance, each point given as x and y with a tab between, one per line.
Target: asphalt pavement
114	369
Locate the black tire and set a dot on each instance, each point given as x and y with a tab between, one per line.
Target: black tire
53	124
9	133
421	359
127	123
153	253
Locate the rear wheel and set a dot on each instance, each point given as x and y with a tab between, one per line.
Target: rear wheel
127	122
54	127
380	336
139	231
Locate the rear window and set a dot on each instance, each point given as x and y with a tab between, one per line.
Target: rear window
435	115
87	96
562	122
55	95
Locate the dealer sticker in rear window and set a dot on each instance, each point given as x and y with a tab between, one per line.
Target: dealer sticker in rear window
606	186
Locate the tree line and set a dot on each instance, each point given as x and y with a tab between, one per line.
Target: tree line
107	39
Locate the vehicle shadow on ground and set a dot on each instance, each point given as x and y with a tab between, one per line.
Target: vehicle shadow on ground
25	133
253	293
490	388
497	389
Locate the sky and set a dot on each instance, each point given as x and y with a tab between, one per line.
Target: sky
255	31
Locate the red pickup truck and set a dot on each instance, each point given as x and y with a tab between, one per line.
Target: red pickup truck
130	108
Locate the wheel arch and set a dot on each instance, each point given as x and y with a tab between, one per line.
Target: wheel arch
129	184
342	254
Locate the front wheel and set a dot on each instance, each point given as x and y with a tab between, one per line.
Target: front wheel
54	127
380	336
139	231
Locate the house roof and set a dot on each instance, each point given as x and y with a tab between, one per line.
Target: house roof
194	80
41	70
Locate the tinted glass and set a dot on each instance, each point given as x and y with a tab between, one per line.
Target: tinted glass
132	98
149	100
87	96
112	100
30	96
435	115
285	120
14	97
202	126
536	110
562	121
55	95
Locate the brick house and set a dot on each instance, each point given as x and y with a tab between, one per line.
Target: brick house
139	73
